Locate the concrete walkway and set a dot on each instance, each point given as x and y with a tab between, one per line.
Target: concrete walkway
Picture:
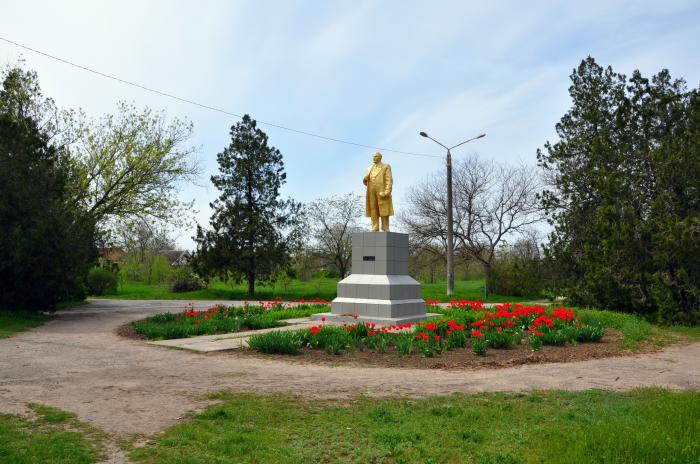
228	341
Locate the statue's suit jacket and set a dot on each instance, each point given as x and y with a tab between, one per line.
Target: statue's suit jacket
381	182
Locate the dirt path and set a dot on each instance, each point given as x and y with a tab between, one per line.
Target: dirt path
76	362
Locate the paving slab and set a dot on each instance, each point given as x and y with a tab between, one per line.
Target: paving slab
228	341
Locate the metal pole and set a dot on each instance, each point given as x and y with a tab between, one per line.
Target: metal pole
450	227
450	238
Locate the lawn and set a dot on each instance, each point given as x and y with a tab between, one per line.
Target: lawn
324	288
13	322
641	426
52	437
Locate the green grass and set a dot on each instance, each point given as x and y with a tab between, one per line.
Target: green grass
52	437
692	333
642	426
634	329
316	288
13	322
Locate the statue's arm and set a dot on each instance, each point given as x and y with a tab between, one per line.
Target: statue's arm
388	180
366	178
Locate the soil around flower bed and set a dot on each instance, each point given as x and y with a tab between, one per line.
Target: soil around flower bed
128	331
463	358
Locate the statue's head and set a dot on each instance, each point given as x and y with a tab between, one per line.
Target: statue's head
377	158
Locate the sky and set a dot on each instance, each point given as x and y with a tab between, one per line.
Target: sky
371	72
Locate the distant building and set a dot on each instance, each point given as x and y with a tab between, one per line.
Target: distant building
176	257
111	255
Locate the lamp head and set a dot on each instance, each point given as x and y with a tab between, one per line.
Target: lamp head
423	134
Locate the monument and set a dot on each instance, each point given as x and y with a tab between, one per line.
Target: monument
379	290
379	181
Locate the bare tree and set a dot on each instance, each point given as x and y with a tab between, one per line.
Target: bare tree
426	264
527	247
426	219
492	204
332	220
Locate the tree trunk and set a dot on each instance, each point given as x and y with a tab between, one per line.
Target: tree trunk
487	278
251	285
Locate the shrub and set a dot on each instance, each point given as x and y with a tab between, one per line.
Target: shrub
509	276
150	267
278	342
184	280
101	282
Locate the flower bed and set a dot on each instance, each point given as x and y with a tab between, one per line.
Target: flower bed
465	325
223	319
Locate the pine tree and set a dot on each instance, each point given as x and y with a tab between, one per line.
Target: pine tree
625	197
253	231
46	243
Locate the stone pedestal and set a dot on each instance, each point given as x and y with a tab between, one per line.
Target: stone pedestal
379	290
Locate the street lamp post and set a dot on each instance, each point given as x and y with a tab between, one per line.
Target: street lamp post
450	228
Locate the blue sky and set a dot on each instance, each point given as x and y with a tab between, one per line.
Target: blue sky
372	72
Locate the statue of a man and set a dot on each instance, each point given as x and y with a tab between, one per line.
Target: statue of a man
378	181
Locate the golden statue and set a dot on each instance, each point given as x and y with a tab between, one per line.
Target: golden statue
379	181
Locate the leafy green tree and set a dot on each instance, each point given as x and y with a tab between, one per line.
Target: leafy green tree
145	244
129	165
121	167
625	194
21	96
46	244
125	166
254	231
